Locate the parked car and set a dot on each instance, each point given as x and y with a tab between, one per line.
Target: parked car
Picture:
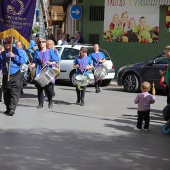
70	52
131	76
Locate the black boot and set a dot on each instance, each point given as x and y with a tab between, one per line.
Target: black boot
78	100
82	102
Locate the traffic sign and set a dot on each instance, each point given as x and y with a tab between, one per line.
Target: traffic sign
75	12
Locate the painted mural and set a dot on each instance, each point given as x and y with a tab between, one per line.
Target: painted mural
131	21
167	29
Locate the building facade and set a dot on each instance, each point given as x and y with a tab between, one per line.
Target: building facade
91	25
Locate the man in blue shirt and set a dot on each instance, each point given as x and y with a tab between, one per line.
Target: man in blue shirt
12	84
33	45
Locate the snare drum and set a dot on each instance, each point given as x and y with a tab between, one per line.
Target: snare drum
82	80
45	76
100	72
56	71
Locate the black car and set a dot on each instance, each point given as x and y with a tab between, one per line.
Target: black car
131	76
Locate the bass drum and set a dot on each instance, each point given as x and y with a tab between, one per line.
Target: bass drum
82	80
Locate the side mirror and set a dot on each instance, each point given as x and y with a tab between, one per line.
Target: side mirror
150	62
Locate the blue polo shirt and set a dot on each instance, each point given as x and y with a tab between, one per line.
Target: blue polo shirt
95	57
41	58
16	61
83	63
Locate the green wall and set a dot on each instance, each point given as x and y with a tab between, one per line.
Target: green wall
123	53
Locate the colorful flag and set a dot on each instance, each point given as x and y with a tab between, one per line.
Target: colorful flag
16	19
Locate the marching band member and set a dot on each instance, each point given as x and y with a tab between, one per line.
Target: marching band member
11	87
51	45
82	63
43	57
20	46
97	58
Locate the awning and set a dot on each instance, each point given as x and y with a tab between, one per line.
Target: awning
155	2
58	2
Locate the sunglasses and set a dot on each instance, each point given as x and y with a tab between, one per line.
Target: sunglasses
7	42
167	48
84	51
42	42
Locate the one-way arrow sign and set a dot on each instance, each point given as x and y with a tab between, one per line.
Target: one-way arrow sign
75	12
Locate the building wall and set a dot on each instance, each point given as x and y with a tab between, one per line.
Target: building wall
123	53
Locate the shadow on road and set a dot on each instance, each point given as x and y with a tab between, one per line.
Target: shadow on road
51	150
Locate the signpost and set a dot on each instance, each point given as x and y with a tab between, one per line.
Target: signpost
75	12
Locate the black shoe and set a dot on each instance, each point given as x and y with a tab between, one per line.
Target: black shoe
0	100
39	106
78	102
97	91
6	112
11	112
50	105
21	92
82	103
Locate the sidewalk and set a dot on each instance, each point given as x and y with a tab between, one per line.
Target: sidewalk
114	83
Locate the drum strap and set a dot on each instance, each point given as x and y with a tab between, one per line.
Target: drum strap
82	64
98	56
47	54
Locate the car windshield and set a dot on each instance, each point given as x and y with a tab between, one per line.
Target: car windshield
91	50
162	60
69	54
59	49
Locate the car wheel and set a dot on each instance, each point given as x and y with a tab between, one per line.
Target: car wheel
106	82
131	83
72	78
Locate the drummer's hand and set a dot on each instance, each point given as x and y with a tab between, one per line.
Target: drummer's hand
32	66
35	48
11	54
51	63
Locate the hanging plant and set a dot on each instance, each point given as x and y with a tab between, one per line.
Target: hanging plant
167	29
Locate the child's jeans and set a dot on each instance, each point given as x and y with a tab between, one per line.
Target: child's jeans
143	115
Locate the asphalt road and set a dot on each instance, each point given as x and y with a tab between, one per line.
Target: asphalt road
97	136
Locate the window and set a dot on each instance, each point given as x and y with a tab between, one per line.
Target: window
96	13
162	60
69	54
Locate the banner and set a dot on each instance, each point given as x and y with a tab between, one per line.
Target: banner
131	21
16	19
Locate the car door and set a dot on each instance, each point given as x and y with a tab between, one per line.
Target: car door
150	71
66	66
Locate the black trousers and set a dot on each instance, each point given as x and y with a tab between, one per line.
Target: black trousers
0	92
98	82
12	95
48	92
80	93
143	115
